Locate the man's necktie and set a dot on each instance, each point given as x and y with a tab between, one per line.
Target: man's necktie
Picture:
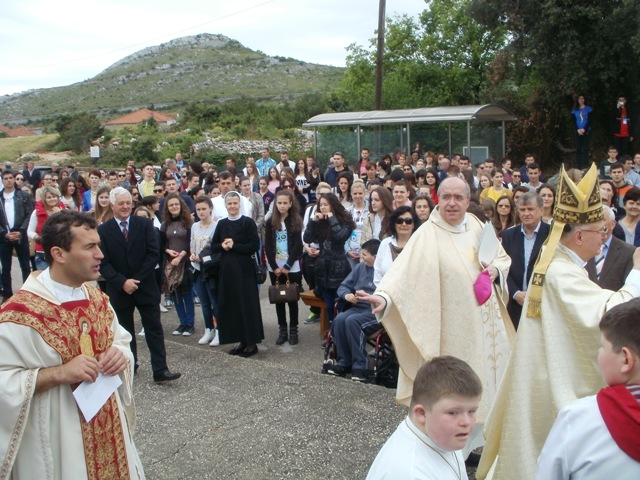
123	224
600	261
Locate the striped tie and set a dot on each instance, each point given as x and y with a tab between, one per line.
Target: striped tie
123	224
600	261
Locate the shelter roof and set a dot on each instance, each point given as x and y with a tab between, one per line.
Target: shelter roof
488	112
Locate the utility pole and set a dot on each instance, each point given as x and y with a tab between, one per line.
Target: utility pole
381	15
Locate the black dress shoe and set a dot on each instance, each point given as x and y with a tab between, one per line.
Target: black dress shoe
237	350
166	376
249	352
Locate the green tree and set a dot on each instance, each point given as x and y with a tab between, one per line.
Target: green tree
77	131
441	58
557	50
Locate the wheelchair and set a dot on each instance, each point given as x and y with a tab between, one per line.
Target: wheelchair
383	364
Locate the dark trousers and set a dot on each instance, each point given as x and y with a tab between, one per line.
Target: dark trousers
153	333
6	258
293	306
582	150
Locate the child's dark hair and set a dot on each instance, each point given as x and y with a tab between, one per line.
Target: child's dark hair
620	326
444	376
371	246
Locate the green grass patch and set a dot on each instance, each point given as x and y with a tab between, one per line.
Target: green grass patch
12	148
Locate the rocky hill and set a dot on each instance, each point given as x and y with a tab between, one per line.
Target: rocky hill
196	68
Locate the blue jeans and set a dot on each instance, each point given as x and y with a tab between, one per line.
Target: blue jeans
350	330
184	307
41	263
208	301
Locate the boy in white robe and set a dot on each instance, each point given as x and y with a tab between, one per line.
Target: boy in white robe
428	443
599	436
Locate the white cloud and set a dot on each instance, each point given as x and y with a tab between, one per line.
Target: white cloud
47	44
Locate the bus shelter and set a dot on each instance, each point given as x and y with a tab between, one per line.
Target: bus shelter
477	131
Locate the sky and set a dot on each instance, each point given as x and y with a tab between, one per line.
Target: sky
47	43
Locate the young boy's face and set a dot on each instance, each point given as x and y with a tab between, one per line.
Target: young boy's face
610	363
367	258
450	421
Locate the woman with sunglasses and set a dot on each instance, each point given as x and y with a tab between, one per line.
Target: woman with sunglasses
403	222
135	196
289	184
19	181
505	214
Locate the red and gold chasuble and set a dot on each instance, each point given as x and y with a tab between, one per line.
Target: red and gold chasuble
72	328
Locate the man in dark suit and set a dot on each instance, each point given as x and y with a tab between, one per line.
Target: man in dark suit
130	246
522	243
15	211
31	175
611	267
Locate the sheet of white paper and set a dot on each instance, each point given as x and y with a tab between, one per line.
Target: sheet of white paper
488	244
90	397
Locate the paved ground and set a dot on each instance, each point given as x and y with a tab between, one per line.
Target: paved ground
270	416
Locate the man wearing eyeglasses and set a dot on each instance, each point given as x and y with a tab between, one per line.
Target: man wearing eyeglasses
552	362
610	267
448	319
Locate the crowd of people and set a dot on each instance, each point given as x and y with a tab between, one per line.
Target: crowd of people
355	234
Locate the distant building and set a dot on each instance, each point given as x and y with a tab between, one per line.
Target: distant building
140	116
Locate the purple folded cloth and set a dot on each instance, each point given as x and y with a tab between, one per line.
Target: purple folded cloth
482	287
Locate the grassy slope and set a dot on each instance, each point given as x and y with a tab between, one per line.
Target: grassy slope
12	148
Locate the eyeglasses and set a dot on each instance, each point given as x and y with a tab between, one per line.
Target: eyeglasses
602	231
158	191
406	221
407	169
121	175
20	179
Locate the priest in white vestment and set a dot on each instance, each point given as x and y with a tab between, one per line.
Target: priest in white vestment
49	332
427	304
553	362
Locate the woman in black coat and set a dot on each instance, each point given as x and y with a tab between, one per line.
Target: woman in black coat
330	227
236	240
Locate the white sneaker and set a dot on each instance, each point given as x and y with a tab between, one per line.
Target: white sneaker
163	309
141	334
216	339
209	333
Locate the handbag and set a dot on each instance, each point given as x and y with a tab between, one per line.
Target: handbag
261	270
285	293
